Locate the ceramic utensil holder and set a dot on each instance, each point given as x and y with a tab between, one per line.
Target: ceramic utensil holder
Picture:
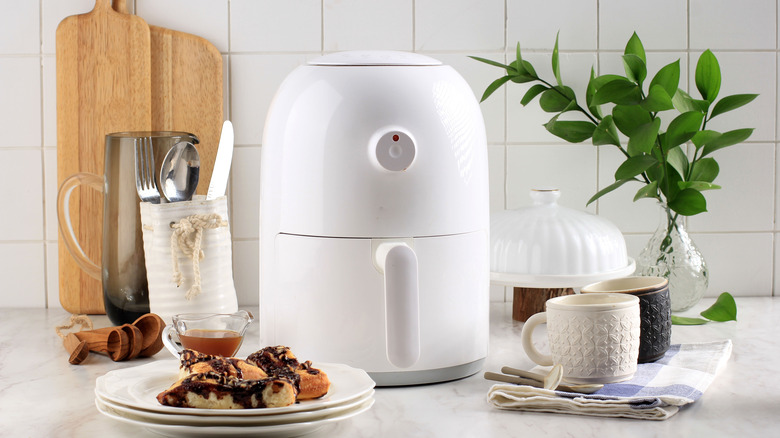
188	253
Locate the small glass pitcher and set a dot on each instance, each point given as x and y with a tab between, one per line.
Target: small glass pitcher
209	333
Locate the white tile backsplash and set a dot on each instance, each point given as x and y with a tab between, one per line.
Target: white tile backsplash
21	189
458	25
204	18
726	24
660	24
534	24
24	24
265	26
367	24
738	263
245	193
20	94
246	265
497	176
23	274
263	40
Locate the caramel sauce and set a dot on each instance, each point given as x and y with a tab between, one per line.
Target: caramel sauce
215	342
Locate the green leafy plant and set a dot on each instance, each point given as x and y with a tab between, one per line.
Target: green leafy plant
655	158
724	309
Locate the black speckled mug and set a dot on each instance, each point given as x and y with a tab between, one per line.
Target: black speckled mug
655	311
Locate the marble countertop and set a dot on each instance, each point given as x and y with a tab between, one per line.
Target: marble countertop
42	395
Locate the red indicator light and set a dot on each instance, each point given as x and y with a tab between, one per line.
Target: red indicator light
395	137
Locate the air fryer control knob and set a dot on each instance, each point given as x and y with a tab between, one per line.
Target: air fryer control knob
395	150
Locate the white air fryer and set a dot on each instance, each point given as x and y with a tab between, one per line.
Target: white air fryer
374	218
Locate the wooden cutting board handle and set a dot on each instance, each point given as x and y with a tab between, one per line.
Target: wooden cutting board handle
103	86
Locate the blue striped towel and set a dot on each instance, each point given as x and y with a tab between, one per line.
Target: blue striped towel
656	392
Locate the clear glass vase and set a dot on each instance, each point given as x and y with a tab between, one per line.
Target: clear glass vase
671	253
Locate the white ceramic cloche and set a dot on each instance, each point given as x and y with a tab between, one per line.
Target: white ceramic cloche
547	245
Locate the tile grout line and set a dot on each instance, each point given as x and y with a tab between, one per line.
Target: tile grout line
505	149
43	160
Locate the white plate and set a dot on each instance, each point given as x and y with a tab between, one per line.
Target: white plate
279	430
211	420
137	387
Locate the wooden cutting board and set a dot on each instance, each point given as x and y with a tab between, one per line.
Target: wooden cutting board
103	86
186	81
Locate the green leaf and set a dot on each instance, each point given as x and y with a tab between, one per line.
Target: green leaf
724	309
688	202
557	99
522	71
668	78
571	131
697	185
491	62
494	86
705	169
684	320
619	91
590	91
606	133
644	138
518	55
729	138
703	137
657	100
634	166
532	92
635	47
607	189
683	128
708	76
668	179
647	191
556	68
629	117
678	160
684	102
732	102
635	68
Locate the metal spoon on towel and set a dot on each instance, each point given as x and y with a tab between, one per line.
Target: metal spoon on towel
551	381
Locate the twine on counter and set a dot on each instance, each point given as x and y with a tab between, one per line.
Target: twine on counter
187	236
82	320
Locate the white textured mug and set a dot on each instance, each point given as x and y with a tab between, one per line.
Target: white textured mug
595	337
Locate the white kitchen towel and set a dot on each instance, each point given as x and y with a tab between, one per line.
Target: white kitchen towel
656	391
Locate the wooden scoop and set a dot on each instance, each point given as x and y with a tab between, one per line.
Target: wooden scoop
151	326
146	337
77	348
114	341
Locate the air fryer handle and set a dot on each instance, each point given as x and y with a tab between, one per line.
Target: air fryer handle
402	306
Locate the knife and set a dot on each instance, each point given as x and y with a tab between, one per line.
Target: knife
219	177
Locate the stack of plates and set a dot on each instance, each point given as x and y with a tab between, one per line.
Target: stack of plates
129	395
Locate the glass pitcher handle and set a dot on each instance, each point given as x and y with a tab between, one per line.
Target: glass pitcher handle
66	227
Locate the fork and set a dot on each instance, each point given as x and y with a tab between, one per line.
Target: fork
144	171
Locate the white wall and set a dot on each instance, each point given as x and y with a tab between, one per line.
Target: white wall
263	40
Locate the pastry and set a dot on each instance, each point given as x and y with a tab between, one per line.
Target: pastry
212	390
194	362
279	361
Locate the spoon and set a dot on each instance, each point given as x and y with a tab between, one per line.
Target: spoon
180	172
77	348
150	326
555	374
